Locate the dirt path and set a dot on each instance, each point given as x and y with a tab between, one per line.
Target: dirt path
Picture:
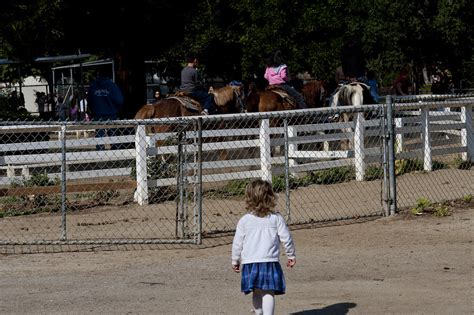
400	265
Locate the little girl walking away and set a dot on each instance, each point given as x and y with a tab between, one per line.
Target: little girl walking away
256	247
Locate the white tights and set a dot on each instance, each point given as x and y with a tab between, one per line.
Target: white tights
263	302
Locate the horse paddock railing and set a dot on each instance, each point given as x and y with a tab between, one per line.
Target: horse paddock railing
267	141
41	151
264	138
441	131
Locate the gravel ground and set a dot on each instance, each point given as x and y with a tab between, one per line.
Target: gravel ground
397	265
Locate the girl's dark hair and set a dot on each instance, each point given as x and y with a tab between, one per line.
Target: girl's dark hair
191	57
260	199
274	59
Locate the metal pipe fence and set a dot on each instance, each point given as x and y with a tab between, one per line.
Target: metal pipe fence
181	180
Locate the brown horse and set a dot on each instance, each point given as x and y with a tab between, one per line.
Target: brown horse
268	100
228	100
314	92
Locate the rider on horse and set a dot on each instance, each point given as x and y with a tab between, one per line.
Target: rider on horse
276	73
191	85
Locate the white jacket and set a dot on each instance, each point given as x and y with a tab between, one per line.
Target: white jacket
258	239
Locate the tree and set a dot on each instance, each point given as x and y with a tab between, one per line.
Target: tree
232	38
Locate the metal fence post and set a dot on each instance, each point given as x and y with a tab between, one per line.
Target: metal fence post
63	182
386	196
287	172
391	158
199	183
180	207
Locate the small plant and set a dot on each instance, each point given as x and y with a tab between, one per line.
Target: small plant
105	196
373	173
279	183
161	167
407	166
333	175
460	164
236	187
421	205
40	179
441	211
437	165
467	198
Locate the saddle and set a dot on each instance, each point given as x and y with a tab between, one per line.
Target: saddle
284	95
187	101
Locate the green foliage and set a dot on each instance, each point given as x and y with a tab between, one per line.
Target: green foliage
104	196
421	205
407	166
333	175
467	198
461	164
234	37
279	183
373	173
162	167
235	187
441	211
39	179
33	203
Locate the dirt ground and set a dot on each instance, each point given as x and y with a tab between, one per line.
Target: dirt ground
397	265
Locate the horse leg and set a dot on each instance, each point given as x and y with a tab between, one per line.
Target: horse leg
346	144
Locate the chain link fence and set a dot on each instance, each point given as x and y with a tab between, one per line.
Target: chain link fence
434	148
182	180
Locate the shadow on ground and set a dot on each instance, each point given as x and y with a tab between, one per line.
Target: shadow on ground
335	309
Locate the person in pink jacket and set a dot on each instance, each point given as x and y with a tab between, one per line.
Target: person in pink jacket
276	73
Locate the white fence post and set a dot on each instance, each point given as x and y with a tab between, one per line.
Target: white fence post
265	150
292	147
425	125
400	136
25	171
141	166
467	139
359	150
10	171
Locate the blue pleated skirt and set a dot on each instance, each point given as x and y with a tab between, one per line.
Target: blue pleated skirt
264	276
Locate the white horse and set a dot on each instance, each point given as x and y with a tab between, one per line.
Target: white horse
355	94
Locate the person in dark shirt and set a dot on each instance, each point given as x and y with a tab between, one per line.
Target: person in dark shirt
104	99
190	83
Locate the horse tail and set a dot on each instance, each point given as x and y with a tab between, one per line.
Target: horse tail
335	99
357	96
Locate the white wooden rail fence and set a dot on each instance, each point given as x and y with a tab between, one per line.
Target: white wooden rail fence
425	122
305	160
27	162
